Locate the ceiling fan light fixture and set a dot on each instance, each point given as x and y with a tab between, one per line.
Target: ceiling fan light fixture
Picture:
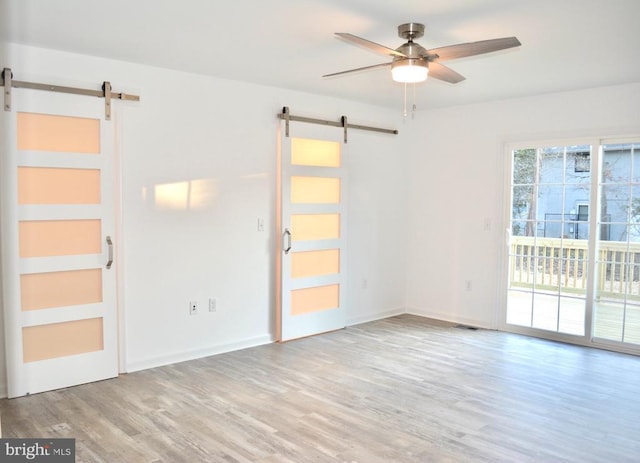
409	70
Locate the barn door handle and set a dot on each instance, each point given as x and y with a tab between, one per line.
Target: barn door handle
287	234
110	245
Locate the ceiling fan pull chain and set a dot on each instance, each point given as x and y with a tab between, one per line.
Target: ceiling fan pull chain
413	108
405	101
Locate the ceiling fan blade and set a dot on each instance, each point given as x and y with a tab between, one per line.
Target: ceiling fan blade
442	72
462	50
376	47
357	69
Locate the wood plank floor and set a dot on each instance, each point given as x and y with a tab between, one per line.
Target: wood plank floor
395	390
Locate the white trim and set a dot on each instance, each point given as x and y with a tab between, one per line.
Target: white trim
543	140
596	343
594	236
153	362
118	175
449	317
375	316
503	267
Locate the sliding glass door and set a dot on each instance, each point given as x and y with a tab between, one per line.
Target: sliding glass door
574	242
548	250
616	308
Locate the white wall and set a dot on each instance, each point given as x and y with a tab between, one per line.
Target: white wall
456	186
220	136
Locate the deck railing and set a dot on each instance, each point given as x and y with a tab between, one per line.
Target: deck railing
552	264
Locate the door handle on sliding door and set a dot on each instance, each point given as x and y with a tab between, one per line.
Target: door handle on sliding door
286	248
110	247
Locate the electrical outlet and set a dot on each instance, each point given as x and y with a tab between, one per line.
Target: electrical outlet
193	308
213	304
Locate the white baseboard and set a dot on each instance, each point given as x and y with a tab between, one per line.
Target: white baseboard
163	360
375	316
449	317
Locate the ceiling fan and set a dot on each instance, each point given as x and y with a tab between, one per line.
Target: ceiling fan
412	62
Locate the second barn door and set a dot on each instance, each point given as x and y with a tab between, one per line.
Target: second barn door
312	220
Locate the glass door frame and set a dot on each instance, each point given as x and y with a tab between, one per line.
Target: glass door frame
588	338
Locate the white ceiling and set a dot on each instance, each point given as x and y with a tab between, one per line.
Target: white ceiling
566	44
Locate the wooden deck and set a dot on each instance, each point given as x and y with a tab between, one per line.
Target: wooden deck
553	267
611	320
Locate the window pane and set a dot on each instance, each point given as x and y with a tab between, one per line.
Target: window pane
523	228
571	316
524	166
523	203
616	164
551	165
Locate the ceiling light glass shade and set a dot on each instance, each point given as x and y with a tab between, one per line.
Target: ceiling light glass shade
409	70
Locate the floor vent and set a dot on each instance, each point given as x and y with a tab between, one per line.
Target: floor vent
467	327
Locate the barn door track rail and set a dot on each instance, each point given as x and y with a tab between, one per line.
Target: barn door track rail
7	81
288	117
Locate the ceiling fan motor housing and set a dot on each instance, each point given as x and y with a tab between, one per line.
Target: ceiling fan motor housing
413	52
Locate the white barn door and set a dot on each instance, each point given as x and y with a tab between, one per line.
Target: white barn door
57	241
312	246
